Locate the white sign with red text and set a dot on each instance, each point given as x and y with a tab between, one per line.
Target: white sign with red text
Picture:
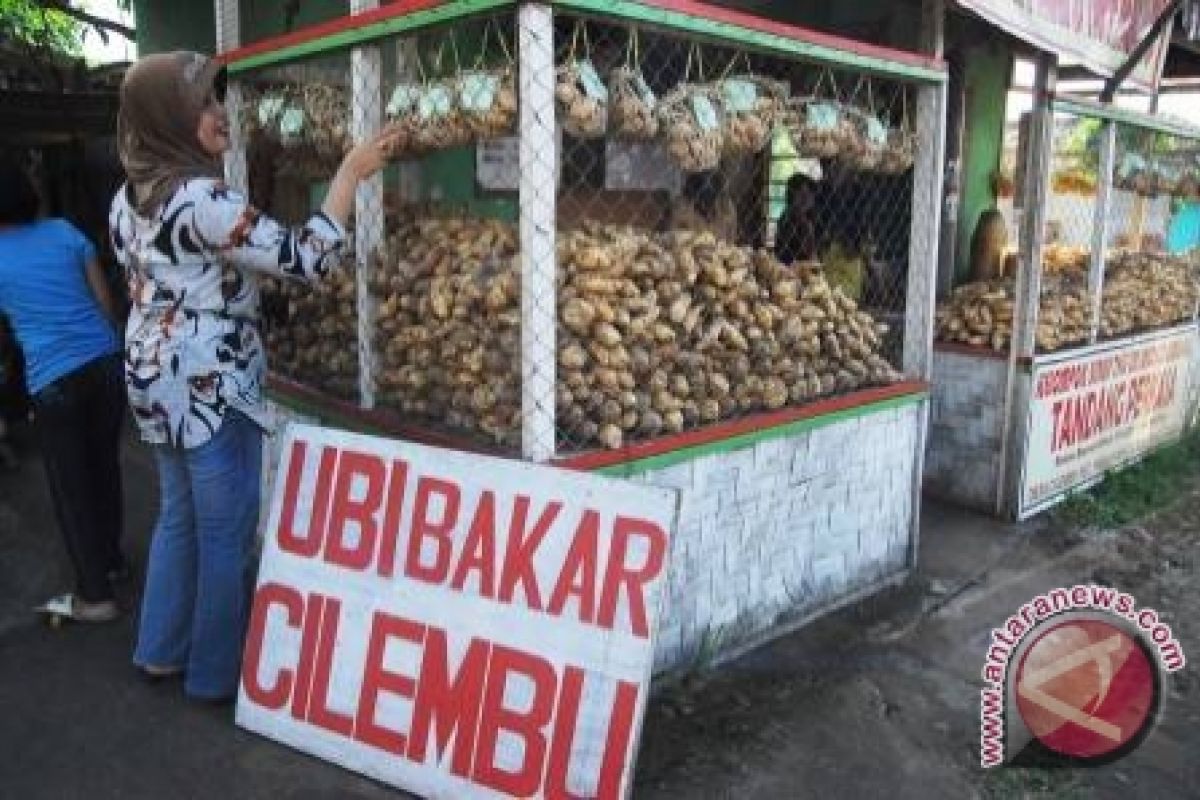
455	625
1102	410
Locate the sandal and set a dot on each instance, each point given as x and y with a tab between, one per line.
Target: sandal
153	673
70	607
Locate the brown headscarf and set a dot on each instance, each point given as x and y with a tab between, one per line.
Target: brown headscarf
162	98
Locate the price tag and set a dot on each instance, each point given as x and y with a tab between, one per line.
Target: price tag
436	101
643	90
592	85
478	91
822	116
705	113
876	132
740	95
269	109
404	99
292	122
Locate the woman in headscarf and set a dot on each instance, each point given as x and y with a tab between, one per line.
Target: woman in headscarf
194	362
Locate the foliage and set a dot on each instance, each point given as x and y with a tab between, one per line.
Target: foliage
1137	491
28	22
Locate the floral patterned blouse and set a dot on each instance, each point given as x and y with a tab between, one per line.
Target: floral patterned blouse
192	344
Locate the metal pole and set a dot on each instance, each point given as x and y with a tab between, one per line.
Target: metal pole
237	173
366	95
1100	225
538	210
1028	292
923	266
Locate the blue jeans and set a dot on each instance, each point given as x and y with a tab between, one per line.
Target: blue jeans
197	596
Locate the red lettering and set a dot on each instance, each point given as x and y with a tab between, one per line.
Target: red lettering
578	576
345	509
436	531
319	712
310	544
448	707
308	647
634	579
479	551
527	725
391	518
377	680
616	746
522	547
275	696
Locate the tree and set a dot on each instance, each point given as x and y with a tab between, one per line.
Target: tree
55	25
29	23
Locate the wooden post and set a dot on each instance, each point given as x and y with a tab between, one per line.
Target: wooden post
237	172
1029	283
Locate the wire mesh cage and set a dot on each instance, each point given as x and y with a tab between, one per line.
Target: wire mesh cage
734	232
1152	272
296	125
1119	255
622	230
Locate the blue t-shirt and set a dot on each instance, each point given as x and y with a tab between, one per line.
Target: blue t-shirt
45	295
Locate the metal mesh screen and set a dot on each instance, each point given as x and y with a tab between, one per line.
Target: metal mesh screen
733	232
1152	275
296	122
1119	252
593	235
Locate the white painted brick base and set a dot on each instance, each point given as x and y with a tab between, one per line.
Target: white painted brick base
781	529
962	463
771	532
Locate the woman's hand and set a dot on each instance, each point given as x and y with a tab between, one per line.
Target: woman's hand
363	161
367	158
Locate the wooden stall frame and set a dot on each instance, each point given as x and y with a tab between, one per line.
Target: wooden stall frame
1023	355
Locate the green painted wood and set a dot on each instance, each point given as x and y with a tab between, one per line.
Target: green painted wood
642	14
988	66
632	468
1125	117
449	12
621	9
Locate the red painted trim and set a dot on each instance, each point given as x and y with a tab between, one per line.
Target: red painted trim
692	7
350	22
728	430
765	25
389	423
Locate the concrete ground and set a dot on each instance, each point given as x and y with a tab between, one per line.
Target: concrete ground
879	700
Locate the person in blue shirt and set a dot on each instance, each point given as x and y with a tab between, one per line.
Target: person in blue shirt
54	294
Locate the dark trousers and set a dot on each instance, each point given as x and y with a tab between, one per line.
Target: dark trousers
78	422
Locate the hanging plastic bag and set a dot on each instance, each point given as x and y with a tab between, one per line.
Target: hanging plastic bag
488	97
690	117
581	94
900	153
819	126
752	106
633	106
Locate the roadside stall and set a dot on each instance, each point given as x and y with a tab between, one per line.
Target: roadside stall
574	261
1048	376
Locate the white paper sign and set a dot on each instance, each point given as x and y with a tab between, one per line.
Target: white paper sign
1101	410
640	167
455	625
498	163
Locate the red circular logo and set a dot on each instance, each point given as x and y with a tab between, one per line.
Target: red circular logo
1086	689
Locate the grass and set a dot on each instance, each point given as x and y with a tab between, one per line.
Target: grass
1130	494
